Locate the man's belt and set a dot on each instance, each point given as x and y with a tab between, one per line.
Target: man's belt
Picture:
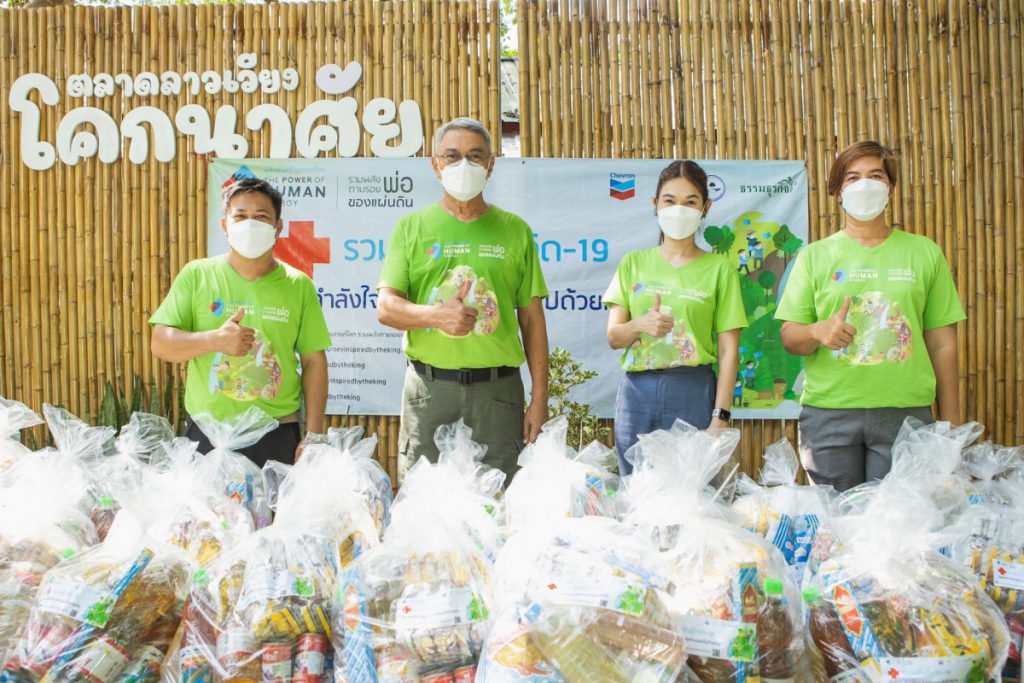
464	377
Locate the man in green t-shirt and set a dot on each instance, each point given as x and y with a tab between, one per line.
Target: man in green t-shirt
245	323
462	278
874	309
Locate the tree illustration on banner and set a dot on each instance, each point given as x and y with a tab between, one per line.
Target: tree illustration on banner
761	250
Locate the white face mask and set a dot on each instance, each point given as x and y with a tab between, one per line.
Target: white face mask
678	221
251	238
464	180
865	198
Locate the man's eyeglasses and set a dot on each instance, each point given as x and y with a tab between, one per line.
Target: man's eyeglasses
478	158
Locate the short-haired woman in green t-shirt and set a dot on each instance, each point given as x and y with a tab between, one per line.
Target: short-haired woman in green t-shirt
874	309
675	310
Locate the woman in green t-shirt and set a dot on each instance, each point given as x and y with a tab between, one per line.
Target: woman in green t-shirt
874	309
675	310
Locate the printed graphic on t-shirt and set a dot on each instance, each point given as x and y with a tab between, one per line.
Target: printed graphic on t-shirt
480	296
883	331
255	375
678	347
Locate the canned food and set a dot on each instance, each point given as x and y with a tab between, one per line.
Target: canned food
310	657
235	646
277	663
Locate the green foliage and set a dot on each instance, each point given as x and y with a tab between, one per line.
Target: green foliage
116	406
564	374
508	28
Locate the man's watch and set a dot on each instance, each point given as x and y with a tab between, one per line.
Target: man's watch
722	414
313	439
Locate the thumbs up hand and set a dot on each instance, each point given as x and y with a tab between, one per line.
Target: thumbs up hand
454	316
233	339
654	322
835	333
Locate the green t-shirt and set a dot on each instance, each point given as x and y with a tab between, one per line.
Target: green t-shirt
703	296
431	254
284	310
897	290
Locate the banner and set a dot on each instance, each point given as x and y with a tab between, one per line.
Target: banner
586	214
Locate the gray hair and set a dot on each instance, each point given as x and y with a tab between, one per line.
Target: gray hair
463	123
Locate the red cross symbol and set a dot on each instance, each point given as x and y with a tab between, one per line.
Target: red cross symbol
893	673
407	609
552	586
1002	571
301	249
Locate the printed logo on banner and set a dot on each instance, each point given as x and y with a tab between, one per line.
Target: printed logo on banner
301	249
242	173
623	185
716	187
217	308
839	277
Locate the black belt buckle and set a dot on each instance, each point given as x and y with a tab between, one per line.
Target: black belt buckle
465	377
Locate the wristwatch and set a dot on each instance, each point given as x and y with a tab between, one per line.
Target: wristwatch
722	414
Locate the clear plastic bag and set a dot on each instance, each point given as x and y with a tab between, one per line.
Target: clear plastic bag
183	507
80	445
262	609
786	514
419	605
106	613
372	481
582	599
241	480
42	522
555	482
884	603
14	417
733	597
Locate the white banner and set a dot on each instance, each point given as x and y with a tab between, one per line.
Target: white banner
586	215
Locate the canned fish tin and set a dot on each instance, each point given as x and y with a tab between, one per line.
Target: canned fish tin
277	663
310	657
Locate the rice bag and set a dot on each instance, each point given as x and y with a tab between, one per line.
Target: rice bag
14	417
419	605
785	513
240	479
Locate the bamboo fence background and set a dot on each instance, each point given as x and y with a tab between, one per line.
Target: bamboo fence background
87	252
801	79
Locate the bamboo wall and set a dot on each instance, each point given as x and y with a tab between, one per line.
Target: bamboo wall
87	252
800	79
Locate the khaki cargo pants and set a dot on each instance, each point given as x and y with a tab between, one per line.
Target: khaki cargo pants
494	411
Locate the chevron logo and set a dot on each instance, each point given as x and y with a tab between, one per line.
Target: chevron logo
622	185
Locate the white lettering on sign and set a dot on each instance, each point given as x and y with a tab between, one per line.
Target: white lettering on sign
395	129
